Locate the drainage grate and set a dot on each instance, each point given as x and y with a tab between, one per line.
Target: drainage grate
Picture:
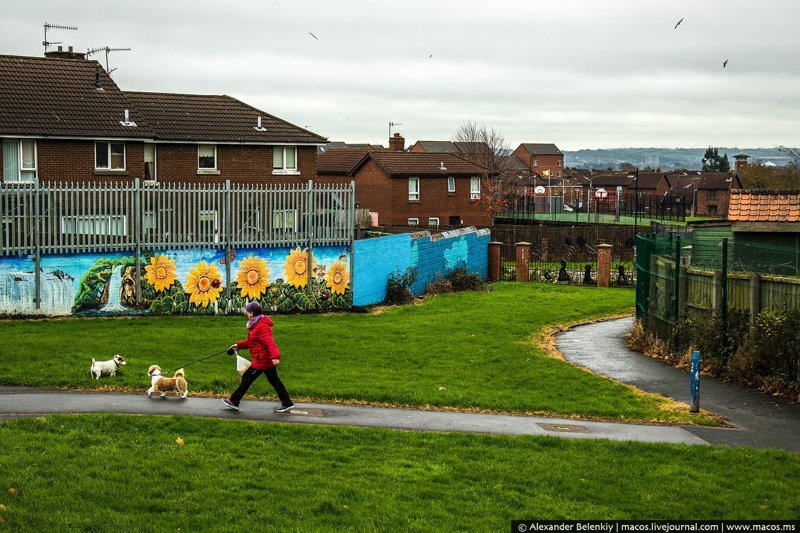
564	428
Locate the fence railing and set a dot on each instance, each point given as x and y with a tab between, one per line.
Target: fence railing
62	217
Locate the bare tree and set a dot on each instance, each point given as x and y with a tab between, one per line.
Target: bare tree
794	153
484	145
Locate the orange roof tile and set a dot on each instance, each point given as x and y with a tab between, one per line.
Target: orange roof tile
764	206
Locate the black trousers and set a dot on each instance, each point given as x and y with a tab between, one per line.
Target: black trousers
250	376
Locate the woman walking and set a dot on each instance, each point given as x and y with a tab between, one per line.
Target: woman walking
265	355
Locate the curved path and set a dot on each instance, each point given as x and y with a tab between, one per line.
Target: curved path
27	401
760	420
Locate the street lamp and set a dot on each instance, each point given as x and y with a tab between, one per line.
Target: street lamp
635	177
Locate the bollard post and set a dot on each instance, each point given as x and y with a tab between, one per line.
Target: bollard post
604	265
695	383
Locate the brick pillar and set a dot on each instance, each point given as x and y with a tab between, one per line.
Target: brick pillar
494	261
522	254
603	265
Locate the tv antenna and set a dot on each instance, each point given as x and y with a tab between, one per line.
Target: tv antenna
391	124
106	49
48	26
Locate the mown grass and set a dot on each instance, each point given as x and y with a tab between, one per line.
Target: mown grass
465	350
118	473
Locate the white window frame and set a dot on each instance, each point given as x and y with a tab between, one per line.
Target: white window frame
413	193
433	222
94	219
283	170
536	162
475	192
18	180
154	176
451	184
559	162
413	221
108	155
211	215
204	170
279	218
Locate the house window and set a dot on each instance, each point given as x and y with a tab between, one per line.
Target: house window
451	184
712	210
536	162
712	195
149	162
284	159
413	222
474	188
433	222
94	225
19	161
208	225
454	220
109	156
413	189
559	162
285	219
206	157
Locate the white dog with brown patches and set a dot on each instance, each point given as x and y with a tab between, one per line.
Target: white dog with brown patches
163	385
107	368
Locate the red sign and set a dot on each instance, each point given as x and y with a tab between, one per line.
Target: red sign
601	193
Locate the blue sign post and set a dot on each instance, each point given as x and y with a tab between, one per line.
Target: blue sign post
695	383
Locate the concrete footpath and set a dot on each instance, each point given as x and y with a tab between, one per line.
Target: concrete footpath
27	401
760	420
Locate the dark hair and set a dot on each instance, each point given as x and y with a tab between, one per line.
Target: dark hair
254	307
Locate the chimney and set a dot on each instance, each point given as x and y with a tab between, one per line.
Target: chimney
65	54
397	143
740	162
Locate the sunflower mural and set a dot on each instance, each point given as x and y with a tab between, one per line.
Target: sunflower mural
337	277
203	284
160	273
295	269
253	277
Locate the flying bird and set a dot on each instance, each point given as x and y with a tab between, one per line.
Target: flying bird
430	56
725	64
678	24
314	36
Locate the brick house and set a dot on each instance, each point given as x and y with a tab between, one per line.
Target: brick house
411	188
541	157
707	193
66	120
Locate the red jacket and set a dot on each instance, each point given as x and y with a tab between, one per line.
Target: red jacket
261	344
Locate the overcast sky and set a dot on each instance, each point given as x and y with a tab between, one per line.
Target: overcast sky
579	73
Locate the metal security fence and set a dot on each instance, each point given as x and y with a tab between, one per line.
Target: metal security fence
60	217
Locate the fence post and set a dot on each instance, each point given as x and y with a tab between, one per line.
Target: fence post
227	234
494	261
755	298
603	265
353	233
522	254
309	231
694	387
137	235
37	246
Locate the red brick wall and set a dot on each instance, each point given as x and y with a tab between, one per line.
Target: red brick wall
554	163
74	161
722	201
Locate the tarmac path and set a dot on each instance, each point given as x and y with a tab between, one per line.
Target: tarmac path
760	420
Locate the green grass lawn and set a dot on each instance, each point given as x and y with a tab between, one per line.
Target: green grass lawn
479	346
118	473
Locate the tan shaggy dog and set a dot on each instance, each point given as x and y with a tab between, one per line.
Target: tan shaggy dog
163	385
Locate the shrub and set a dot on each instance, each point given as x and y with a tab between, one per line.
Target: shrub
462	280
398	288
770	354
439	286
708	334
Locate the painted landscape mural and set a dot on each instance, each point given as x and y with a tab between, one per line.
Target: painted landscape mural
178	282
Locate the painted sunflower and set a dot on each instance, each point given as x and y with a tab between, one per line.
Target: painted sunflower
203	284
337	277
160	273
253	277
295	269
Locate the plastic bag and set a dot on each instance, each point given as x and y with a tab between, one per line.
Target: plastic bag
242	364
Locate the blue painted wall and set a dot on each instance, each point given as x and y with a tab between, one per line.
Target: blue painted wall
374	260
432	255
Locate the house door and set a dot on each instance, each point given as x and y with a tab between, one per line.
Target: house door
150	162
454	220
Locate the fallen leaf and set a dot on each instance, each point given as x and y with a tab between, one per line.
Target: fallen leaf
442	388
762	507
2	507
12	490
179	441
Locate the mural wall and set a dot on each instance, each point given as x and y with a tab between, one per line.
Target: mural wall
177	282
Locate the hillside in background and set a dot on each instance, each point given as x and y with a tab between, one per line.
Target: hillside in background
664	158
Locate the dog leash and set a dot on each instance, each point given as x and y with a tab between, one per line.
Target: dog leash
202	359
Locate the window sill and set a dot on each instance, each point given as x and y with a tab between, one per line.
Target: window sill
207	172
413	201
451	194
285	172
121	172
